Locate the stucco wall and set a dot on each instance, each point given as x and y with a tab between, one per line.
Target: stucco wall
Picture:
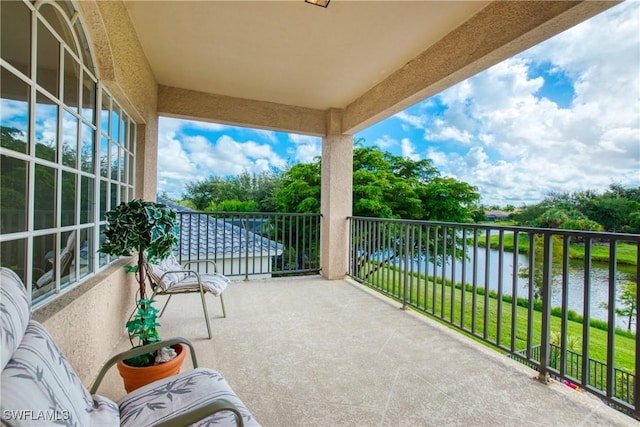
88	321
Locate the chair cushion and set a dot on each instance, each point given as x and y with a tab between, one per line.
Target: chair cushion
215	283
159	268
39	387
14	306
157	402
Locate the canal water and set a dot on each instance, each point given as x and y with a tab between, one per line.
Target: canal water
599	279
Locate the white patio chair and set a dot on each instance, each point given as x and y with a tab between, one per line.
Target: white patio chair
168	277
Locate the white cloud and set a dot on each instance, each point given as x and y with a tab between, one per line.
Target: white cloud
385	142
417	121
305	148
522	145
408	149
184	158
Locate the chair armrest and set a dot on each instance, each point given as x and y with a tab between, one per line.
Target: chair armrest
201	412
199	261
136	351
187	272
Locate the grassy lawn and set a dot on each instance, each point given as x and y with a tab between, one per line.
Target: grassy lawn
627	254
426	296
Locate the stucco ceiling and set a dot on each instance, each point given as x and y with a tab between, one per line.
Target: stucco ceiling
368	58
288	52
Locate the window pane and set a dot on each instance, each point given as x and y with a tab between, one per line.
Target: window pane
122	164
130	179
86	251
88	98
15	35
71	82
13	255
114	161
86	200
68	216
114	196
86	149
104	156
104	114
65	258
132	137
58	23
48	61
45	197
14	112
69	139
124	132
46	128
103	199
84	46
124	167
103	259
115	122
13	195
44	276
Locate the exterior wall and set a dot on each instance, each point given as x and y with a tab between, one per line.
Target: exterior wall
88	322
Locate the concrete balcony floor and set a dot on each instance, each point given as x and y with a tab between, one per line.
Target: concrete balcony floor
307	351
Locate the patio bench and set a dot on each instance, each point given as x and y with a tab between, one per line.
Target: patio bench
39	386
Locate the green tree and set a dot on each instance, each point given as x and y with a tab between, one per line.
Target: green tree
628	302
299	189
245	187
384	186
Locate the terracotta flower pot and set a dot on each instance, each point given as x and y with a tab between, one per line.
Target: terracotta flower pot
135	377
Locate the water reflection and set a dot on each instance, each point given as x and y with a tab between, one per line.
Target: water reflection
487	273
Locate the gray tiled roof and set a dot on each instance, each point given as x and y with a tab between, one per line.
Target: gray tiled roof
202	234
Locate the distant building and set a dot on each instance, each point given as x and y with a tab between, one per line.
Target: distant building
496	215
233	244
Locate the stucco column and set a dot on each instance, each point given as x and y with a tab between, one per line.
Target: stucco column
147	160
336	197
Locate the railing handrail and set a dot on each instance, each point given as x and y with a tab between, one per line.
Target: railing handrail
529	230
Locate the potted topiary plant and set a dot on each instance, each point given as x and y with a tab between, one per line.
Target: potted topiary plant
150	230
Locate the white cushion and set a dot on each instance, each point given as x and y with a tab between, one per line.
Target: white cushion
215	283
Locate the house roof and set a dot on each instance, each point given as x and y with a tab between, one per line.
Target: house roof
202	234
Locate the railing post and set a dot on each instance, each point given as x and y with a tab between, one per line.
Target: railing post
406	268
636	389
543	375
246	253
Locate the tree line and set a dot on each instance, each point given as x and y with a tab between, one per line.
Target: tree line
615	210
390	186
384	186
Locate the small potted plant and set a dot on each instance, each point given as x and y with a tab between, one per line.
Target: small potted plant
151	231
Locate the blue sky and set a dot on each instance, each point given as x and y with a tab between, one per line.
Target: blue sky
563	116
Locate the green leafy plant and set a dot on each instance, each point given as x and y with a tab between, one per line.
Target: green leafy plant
151	230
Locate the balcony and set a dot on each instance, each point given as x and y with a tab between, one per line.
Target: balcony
388	346
308	351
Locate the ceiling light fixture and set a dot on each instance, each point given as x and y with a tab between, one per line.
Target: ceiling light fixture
321	3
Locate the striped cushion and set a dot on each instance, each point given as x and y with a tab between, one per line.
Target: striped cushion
14	306
215	283
159	268
39	380
157	402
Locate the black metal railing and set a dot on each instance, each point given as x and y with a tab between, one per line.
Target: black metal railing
252	244
514	288
624	380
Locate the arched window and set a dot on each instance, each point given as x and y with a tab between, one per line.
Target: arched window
67	148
